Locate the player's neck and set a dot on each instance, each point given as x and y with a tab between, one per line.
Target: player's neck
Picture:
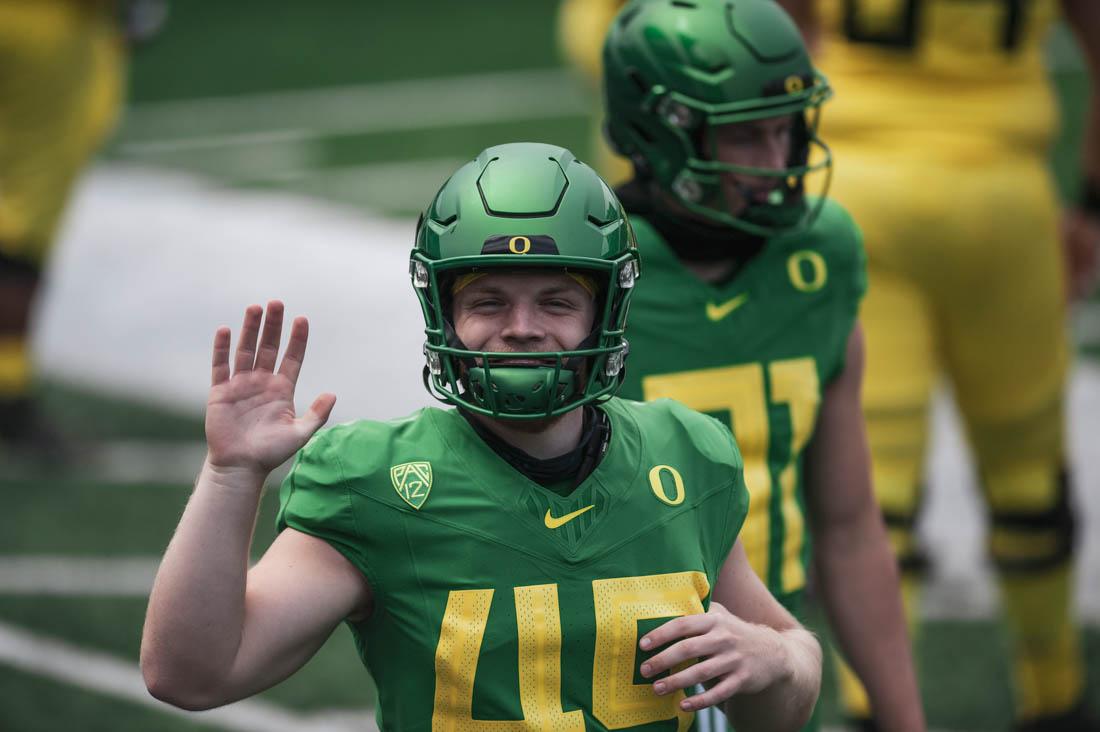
711	270
543	438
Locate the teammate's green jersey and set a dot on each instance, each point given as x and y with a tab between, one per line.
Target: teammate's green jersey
500	605
756	353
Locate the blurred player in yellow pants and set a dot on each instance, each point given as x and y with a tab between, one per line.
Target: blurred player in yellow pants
940	132
61	74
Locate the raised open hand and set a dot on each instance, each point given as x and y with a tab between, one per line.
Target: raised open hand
250	421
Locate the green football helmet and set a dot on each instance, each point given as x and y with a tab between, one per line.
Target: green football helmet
522	206
675	70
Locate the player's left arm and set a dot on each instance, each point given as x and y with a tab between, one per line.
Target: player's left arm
856	569
1081	223
753	656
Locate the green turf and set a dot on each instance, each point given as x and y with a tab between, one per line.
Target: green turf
964	674
49	515
333	679
88	415
210	47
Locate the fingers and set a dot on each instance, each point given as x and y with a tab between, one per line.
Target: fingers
220	364
676	628
696	673
246	346
717	694
685	650
269	341
295	350
318	413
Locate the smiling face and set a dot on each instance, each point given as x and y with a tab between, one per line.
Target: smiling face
516	312
762	143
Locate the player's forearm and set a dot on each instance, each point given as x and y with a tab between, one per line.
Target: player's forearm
858	578
786	705
194	623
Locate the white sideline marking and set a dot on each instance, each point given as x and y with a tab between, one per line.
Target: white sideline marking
354	109
274	137
122	679
136	461
130	576
386	186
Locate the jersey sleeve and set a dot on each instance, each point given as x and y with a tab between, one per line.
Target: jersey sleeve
315	499
848	271
738	501
712	443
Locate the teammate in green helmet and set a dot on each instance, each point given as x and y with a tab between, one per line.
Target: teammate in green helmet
748	310
543	556
688	84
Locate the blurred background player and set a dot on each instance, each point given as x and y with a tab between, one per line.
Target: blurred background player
62	66
748	311
941	134
941	131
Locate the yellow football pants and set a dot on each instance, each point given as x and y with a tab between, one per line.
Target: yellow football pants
61	73
965	282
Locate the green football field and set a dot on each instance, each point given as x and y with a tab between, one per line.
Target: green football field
369	105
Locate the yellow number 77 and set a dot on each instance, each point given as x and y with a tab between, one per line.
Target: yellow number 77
740	391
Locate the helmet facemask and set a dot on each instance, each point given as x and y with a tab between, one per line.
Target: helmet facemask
698	185
489	383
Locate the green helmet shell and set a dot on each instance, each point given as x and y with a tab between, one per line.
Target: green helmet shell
674	70
524	206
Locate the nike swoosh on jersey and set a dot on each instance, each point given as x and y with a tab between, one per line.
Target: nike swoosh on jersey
719	311
553	523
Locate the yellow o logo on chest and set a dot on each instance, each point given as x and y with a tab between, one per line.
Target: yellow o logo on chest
796	270
519	245
658	485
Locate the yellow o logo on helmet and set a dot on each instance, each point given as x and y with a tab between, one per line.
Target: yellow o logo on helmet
516	242
658	485
819	273
794	84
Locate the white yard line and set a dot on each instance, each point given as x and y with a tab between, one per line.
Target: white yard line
363	108
244	139
130	576
137	461
405	185
106	674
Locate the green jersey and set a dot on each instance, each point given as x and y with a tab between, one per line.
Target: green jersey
756	353
500	605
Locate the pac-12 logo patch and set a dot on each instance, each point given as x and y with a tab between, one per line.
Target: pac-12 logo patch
413	482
